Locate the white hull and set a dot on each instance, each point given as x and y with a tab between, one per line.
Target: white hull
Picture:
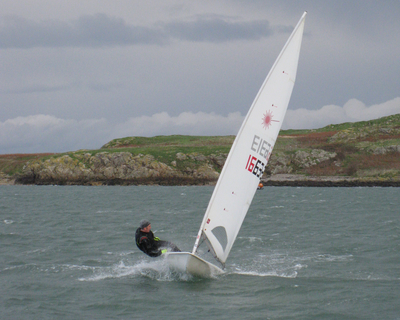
192	264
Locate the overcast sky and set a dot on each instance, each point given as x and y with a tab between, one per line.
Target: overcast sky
76	74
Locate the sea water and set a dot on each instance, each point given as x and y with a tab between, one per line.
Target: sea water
302	253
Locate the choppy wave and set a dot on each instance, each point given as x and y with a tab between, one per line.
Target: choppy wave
280	274
72	248
283	265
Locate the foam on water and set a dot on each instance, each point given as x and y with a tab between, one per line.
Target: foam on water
265	274
282	264
156	270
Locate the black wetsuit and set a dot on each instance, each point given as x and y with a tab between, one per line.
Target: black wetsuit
151	245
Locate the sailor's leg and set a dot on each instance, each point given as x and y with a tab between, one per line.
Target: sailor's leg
173	247
167	244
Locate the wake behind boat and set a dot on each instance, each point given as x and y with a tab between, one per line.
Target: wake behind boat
244	165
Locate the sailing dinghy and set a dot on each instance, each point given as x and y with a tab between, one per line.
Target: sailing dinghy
244	165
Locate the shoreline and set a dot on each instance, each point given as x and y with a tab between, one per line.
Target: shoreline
288	180
278	180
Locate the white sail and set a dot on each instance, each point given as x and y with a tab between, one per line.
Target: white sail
250	152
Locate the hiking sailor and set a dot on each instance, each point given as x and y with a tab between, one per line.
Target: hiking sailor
149	244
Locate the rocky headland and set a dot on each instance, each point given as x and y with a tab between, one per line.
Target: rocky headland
351	154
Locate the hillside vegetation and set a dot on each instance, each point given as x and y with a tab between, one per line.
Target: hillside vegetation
366	153
361	149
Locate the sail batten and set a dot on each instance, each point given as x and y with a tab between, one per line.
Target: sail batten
250	152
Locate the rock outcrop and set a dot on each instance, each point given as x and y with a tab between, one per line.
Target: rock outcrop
284	163
6	179
109	168
120	168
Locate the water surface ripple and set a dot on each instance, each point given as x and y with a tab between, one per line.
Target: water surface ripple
302	253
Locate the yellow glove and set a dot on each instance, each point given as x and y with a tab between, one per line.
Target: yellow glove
164	251
156	239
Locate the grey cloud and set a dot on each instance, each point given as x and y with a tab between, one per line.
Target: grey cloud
43	133
352	111
43	88
219	29
87	31
101	30
105	87
36	88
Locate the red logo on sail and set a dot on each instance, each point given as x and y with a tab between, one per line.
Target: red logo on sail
267	119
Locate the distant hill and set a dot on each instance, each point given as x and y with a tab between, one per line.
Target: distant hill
360	153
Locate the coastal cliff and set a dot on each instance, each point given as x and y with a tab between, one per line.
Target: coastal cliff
350	154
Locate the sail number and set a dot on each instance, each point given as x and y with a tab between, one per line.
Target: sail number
255	166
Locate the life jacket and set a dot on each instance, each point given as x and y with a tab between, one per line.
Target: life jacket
145	242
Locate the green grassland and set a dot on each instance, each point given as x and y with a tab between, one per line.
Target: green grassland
165	148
